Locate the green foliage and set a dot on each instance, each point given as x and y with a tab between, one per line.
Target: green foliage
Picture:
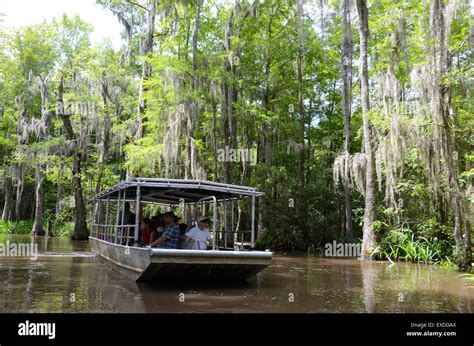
405	245
379	227
64	229
21	227
264	242
432	229
6	227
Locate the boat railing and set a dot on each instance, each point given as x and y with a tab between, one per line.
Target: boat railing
232	239
116	234
124	235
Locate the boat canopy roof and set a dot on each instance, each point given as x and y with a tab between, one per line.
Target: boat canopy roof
174	191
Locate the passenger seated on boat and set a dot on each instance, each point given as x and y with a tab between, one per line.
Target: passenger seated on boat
200	233
158	220
128	219
146	231
128	216
171	238
183	227
177	219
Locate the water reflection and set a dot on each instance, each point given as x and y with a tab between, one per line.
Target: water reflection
67	277
368	280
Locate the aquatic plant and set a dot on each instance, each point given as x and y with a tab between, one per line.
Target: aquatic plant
64	230
405	245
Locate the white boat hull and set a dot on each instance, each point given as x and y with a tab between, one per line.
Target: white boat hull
166	265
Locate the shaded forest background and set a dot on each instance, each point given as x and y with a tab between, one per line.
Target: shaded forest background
359	114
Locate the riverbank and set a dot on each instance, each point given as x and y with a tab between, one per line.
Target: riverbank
64	229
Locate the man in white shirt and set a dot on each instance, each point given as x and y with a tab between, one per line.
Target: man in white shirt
200	233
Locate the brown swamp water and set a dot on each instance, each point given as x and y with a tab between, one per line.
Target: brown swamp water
68	277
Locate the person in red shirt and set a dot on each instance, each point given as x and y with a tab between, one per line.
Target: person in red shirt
146	229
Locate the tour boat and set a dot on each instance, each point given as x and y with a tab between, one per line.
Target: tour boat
231	255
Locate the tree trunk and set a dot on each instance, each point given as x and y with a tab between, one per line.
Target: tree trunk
80	227
37	227
369	241
214	127
146	69
105	141
346	73
20	180
43	134
445	116
191	158
228	96
59	194
302	124
7	188
300	63
19	167
266	132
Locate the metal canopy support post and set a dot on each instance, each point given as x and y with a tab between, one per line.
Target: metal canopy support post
214	222
99	218
137	216
232	216
92	218
104	233
234	233
122	229
253	222
117	222
93	228
195	213
184	208
226	230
